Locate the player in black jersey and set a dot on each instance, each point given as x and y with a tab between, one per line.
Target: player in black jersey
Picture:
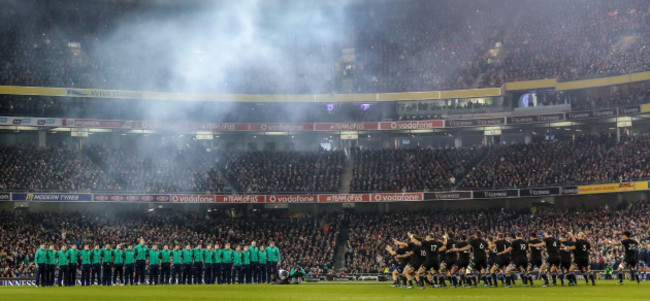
402	255
552	261
479	248
502	258
630	260
462	248
580	250
431	263
565	260
519	252
492	258
415	260
535	262
450	257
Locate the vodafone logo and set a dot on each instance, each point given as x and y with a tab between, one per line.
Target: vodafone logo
193	199
292	199
397	197
117	198
101	198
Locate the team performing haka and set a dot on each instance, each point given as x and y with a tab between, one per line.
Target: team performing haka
184	266
460	261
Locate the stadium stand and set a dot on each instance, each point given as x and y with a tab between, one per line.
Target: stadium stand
581	159
424	46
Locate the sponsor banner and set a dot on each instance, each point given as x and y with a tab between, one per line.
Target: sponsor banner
579	115
536	118
448	195
163	198
475	122
5	196
293	198
241	198
539	191
193	198
411	125
398	197
281	127
345	198
108	124
645	107
643	185
221	127
496	194
605	188
22	281
629	110
30	121
346	126
52	197
100	93
569	190
605	113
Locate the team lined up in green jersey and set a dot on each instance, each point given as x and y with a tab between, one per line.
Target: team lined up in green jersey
209	265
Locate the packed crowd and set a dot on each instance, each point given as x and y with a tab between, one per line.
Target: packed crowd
265	171
59	168
144	168
408	170
417	46
304	241
370	233
583	160
159	170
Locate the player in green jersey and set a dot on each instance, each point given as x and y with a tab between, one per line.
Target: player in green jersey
118	264
165	264
129	264
73	259
154	265
177	269
86	265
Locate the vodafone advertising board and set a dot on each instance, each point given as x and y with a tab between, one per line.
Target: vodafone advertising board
411	125
298	198
193	198
254	127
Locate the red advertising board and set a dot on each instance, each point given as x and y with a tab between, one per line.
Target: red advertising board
411	125
258	127
281	127
241	198
397	197
163	198
222	127
346	126
344	198
294	198
193	198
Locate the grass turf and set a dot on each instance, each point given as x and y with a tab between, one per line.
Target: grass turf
604	290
